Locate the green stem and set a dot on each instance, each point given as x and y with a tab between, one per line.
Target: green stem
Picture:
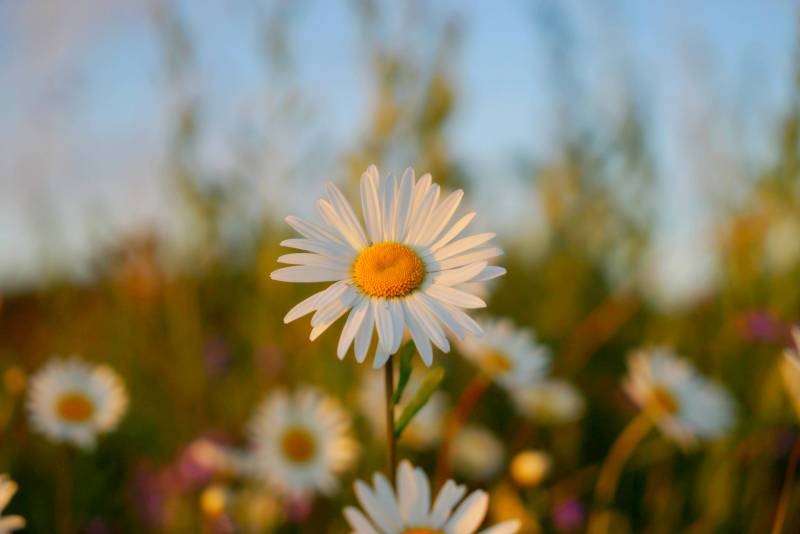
391	442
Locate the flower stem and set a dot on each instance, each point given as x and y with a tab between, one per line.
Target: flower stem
391	442
608	479
469	399
786	490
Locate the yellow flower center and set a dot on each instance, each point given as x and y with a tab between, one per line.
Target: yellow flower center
422	530
495	362
663	401
298	445
388	270
74	407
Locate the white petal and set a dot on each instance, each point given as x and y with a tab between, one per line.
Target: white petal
421	340
384	324
308	274
455	297
469	515
465	321
403	205
439	218
310	230
346	213
304	307
422	505
354	320
452	277
421	215
386	193
470	257
489	273
406	490
327	248
427	322
462	245
381	357
333	218
454	230
305	258
364	336
442	314
378	510
370	205
448	496
358	522
398	325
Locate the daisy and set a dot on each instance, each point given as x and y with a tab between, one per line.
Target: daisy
301	441
410	512
553	401
403	270
73	401
509	355
8	523
685	405
427	427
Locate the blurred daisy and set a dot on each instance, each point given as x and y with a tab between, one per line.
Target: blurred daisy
477	453
73	401
553	401
302	441
790	371
406	271
8	523
427	427
410	512
685	405
509	355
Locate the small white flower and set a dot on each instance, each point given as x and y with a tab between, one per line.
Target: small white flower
411	512
511	356
477	453
790	371
302	441
8	523
553	401
407	271
685	405
427	427
73	401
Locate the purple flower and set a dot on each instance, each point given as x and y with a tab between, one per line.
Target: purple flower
569	514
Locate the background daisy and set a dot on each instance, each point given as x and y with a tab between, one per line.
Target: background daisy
477	453
509	355
411	511
684	404
552	401
405	269
73	401
302	441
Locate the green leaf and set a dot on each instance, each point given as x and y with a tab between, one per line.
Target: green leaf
406	356
429	385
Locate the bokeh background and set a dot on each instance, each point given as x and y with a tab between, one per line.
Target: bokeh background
638	160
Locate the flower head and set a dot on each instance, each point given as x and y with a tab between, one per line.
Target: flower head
73	401
685	405
477	453
8	523
301	441
411	512
510	355
403	270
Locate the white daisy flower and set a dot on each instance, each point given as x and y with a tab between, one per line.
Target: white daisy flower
426	428
407	270
510	355
8	523
685	405
302	441
477	453
553	401
411	512
790	371
73	401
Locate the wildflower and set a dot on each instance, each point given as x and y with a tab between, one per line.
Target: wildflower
685	405
550	402
405	272
510	356
301	441
477	453
530	467
410	512
73	401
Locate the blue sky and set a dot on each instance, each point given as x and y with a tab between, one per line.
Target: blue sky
84	112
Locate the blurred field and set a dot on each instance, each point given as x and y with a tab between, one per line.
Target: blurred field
196	330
